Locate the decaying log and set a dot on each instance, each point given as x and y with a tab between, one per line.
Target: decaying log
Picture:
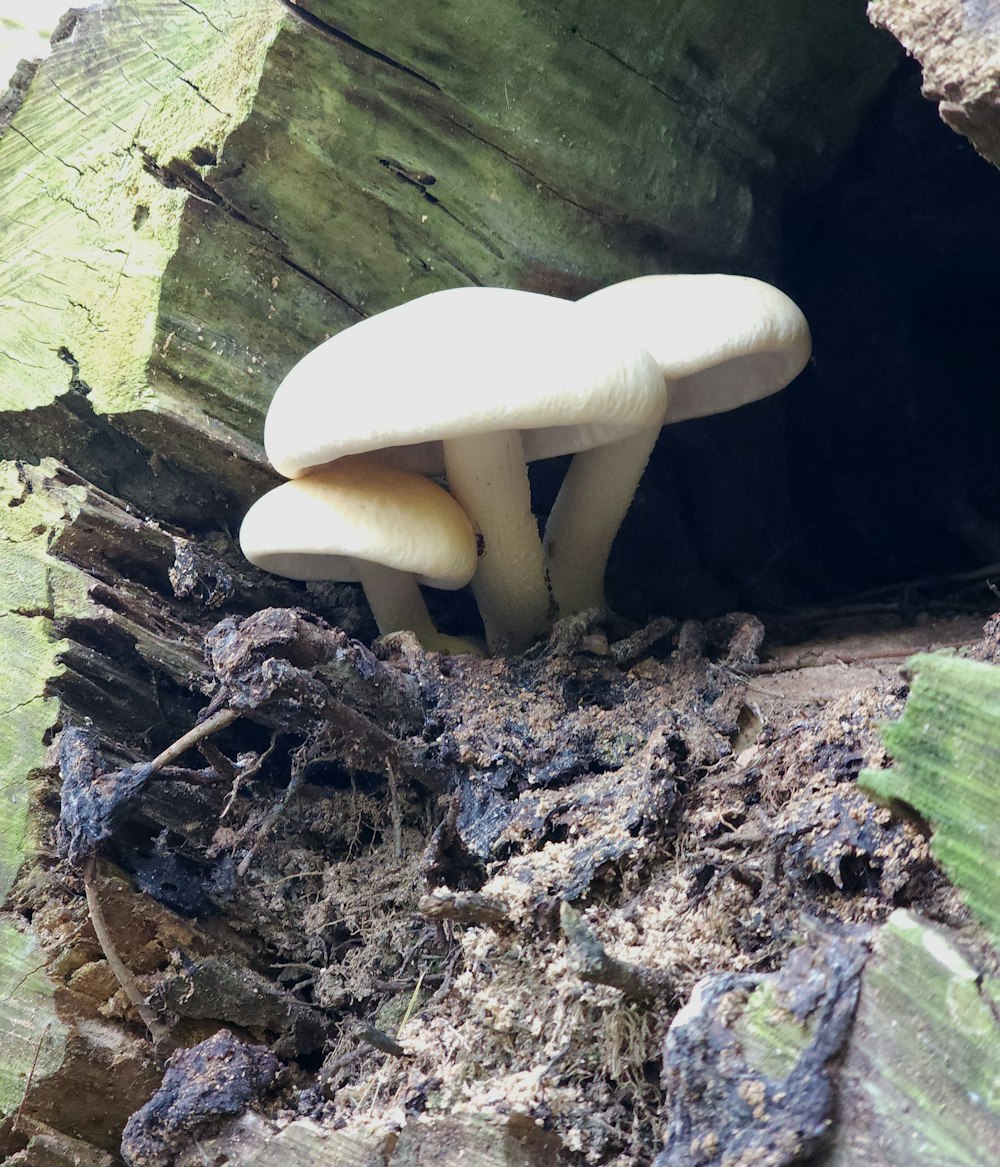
945	749
114	609
748	1061
553	794
192	196
916	1084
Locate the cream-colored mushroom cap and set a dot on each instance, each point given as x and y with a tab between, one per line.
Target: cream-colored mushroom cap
458	363
722	340
328	525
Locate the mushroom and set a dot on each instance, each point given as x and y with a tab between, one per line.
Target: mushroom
720	341
462	380
374	525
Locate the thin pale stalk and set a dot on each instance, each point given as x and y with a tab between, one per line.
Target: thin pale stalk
594	498
398	604
488	476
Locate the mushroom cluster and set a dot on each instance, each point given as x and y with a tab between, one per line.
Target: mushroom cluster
469	385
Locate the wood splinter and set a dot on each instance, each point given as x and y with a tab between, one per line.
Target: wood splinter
159	1032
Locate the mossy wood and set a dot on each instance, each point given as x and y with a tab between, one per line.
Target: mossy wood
946	751
193	195
920	1077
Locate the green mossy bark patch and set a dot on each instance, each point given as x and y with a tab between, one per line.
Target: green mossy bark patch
946	749
32	1037
34	590
98	166
80	199
921	1081
771	1036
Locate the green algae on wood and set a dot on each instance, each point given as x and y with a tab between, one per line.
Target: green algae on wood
946	752
88	227
32	1036
27	662
29	651
921	1078
772	1038
89	218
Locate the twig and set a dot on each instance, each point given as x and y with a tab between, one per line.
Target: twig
979	575
273	815
831	657
123	974
219	720
338	1064
223	767
414	1000
628	651
587	958
241	775
464	907
397	820
379	1040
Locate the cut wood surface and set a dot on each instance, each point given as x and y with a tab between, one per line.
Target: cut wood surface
193	196
32	1035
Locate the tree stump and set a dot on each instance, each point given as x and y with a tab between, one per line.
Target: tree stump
192	197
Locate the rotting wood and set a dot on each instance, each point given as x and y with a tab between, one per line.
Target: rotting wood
957	46
945	749
563	782
130	662
748	1062
230	220
464	907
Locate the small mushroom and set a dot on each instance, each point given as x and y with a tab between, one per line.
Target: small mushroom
357	522
464	380
720	342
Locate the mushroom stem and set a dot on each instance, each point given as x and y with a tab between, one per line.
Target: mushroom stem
488	476
397	604
592	502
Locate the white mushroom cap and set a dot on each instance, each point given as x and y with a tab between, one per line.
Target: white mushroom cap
457	363
332	524
452	381
722	340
